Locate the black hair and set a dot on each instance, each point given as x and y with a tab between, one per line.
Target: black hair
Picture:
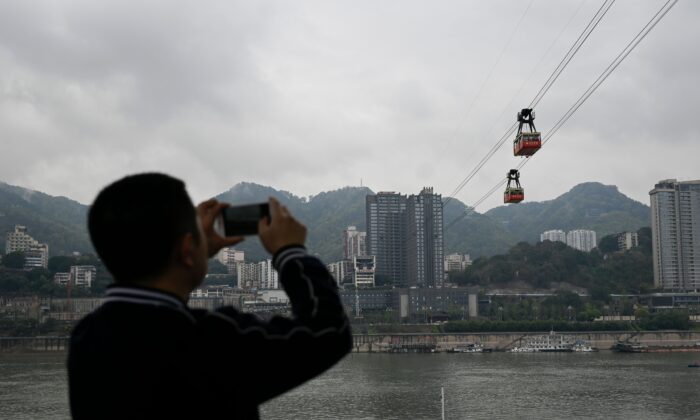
136	223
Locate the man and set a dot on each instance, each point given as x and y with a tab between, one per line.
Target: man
145	354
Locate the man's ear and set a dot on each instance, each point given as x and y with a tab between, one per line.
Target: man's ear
186	250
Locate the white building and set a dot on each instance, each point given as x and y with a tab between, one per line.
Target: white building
61	278
248	275
457	262
83	275
363	271
581	239
35	254
354	243
627	240
79	276
230	257
268	275
553	236
273	296
341	271
675	234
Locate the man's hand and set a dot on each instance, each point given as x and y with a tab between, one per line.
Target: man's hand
282	230
207	212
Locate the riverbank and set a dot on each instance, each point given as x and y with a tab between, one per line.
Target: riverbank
669	340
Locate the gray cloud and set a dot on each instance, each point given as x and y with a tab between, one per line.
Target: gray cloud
318	95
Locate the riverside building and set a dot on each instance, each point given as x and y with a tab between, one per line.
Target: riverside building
675	234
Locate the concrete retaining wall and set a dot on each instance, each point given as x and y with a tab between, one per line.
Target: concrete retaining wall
504	341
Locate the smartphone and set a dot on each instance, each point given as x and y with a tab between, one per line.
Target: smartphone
241	220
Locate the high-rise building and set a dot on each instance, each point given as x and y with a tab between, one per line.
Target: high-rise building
627	240
405	234
675	234
581	239
35	254
425	242
354	243
553	236
386	235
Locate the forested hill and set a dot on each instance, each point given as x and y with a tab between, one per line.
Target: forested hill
58	221
590	205
541	265
326	216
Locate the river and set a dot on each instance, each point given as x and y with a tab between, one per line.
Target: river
407	386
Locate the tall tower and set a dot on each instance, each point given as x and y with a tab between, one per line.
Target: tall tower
675	233
386	235
425	244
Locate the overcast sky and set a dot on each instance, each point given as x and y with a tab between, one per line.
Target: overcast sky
309	96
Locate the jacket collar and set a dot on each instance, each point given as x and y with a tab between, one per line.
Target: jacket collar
144	295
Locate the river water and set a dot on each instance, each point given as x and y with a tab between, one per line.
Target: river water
407	386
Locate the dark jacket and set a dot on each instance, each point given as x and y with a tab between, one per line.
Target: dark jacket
145	354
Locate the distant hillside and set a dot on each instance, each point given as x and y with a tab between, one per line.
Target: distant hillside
590	205
476	234
61	222
58	221
326	216
540	265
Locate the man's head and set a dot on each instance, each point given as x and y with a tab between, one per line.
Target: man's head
144	226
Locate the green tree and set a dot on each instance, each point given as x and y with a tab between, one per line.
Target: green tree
13	260
61	263
608	244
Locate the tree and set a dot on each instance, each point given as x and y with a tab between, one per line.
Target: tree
61	264
608	244
13	260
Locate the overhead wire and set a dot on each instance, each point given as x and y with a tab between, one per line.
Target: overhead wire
576	46
479	91
636	40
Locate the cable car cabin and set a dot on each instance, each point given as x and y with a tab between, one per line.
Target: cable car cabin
513	195
526	144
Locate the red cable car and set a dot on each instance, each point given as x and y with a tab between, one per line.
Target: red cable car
513	194
526	143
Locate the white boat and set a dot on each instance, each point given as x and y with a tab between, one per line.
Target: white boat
552	343
467	348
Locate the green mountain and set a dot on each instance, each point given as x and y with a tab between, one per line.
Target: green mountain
541	264
326	215
475	234
590	205
58	221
